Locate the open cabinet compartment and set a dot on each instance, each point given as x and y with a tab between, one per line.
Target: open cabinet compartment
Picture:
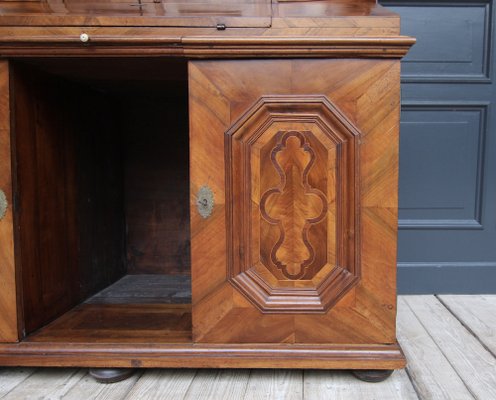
101	180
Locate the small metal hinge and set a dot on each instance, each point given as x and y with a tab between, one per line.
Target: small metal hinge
205	201
3	204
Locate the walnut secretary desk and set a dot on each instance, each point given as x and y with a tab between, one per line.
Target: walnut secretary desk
208	184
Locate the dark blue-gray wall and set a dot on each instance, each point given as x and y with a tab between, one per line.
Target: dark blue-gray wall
447	237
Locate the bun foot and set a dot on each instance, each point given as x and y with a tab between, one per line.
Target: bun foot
372	375
111	375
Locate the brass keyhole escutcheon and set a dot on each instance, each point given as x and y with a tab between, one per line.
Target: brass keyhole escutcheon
3	204
205	201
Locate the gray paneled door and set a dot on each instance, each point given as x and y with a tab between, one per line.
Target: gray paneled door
447	237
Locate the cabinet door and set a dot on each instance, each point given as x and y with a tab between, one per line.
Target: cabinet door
8	308
294	168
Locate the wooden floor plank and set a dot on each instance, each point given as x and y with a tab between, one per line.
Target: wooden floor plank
46	383
275	385
432	374
12	377
88	388
218	384
473	363
342	385
162	384
478	314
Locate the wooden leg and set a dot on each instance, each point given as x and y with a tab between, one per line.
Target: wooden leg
111	375
372	375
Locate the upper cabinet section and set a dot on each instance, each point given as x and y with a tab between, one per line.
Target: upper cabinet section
198	13
201	28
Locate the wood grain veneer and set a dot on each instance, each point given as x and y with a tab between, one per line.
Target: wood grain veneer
367	92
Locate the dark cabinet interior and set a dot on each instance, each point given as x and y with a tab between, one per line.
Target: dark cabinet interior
102	207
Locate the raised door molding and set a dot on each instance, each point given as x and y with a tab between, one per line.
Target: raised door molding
292	165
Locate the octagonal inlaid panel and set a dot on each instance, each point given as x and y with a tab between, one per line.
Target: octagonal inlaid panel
292	172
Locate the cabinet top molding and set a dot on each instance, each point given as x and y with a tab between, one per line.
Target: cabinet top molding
204	28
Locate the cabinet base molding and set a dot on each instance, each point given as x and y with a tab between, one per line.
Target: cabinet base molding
106	355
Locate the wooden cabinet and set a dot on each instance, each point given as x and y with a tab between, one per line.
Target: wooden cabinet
200	196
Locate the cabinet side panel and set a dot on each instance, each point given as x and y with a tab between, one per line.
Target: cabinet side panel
8	303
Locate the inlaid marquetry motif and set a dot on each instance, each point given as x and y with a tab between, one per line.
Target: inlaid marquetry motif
294	205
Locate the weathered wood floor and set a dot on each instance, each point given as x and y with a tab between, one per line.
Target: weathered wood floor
450	343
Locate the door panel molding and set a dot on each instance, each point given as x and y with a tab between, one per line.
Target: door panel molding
292	179
452	46
449	107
